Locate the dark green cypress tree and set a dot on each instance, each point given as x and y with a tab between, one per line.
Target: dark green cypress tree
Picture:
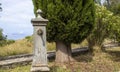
70	21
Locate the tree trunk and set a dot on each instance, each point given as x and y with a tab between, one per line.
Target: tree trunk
63	53
90	44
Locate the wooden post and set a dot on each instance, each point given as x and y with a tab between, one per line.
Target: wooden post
39	63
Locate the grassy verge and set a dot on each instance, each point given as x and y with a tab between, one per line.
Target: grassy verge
24	46
105	62
19	47
17	69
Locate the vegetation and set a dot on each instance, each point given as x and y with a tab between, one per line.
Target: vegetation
98	2
63	29
18	47
115	25
25	46
114	30
29	38
115	7
3	39
70	21
100	32
17	69
110	62
107	25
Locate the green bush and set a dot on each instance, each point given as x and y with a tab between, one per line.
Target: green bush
2	38
2	42
10	42
29	38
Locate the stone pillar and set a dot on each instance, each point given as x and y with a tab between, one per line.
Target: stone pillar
39	63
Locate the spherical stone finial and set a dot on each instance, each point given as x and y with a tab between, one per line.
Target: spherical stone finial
39	12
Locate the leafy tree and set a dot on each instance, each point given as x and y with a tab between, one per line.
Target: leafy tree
70	21
106	2
1	35
114	28
107	25
100	31
98	2
2	38
113	5
115	8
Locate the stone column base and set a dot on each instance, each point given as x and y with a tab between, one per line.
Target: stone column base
40	69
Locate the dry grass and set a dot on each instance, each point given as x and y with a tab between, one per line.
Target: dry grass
19	47
108	61
83	44
103	62
50	46
18	69
24	46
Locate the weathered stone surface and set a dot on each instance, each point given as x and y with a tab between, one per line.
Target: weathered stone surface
40	69
40	53
17	60
15	56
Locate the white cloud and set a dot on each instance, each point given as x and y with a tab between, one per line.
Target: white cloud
16	16
17	10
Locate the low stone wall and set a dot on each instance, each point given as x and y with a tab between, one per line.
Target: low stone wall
25	59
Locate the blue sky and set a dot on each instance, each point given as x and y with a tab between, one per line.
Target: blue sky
15	19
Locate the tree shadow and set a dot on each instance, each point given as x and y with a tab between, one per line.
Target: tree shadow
87	56
84	57
114	55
